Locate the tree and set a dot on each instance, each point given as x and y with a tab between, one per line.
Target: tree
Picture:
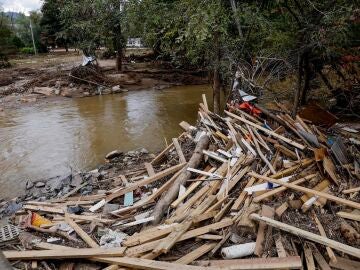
52	28
91	23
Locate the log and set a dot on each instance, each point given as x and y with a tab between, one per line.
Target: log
63	254
170	196
308	235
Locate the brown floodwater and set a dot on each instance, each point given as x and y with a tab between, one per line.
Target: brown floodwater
50	138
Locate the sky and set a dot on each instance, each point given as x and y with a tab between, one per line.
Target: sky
20	5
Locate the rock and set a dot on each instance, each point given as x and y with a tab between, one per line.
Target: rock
113	154
29	185
58	183
57	92
144	151
57	84
47	91
40	184
71	85
66	92
76	180
86	94
116	89
124	90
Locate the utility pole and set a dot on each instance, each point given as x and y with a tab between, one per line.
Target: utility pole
32	36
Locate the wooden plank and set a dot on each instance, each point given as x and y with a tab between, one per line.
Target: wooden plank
190	234
178	150
310	264
287	140
293	262
213	237
308	190
143	237
167	243
329	251
219	245
345	264
351	190
83	235
260	238
243	195
205	102
320	260
195	254
149	168
280	248
139	263
308	235
146	181
63	254
286	151
351	216
281	189
165	151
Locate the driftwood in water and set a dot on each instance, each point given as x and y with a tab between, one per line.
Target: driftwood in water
170	196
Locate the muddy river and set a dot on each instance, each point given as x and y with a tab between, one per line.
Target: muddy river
50	138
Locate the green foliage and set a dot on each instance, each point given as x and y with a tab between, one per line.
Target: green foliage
91	22
27	50
17	42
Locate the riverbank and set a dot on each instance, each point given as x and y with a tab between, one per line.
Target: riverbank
34	78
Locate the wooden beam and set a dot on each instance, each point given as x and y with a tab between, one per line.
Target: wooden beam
179	150
146	181
149	168
83	235
293	262
351	190
195	254
345	264
308	190
310	264
63	254
270	132
260	238
351	216
139	263
308	235
329	251
281	189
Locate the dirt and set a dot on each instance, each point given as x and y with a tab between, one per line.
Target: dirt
63	73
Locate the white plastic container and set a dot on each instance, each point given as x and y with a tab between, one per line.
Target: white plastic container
238	251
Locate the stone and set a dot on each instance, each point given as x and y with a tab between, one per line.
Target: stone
40	184
76	180
47	91
144	151
113	154
66	92
57	92
29	185
86	94
116	89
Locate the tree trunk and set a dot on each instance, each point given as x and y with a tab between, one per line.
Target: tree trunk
163	204
216	91
307	79
119	60
216	75
237	21
299	86
66	47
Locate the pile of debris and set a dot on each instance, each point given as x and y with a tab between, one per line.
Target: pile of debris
235	192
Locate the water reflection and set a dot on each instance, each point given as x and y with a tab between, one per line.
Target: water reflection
47	139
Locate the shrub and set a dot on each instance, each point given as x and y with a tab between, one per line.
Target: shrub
27	50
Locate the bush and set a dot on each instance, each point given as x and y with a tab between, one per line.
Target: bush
27	50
